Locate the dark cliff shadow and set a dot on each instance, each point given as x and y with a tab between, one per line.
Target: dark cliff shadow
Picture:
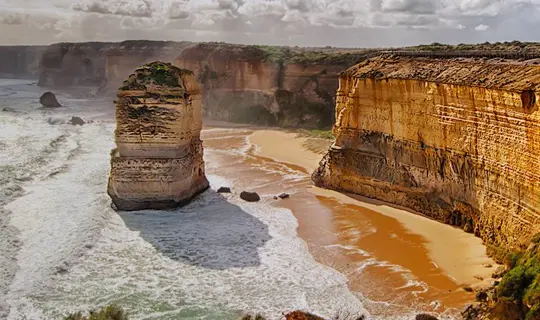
210	232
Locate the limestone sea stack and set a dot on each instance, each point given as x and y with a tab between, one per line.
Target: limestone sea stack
158	162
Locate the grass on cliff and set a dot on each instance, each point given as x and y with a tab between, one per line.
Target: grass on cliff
160	73
522	282
508	46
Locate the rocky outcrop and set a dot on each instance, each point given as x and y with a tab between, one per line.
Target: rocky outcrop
268	85
100	64
20	61
48	100
158	162
455	139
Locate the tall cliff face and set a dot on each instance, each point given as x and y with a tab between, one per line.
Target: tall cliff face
457	140
267	85
158	162
100	64
20	61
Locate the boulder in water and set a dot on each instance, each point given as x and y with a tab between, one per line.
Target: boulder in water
250	196
425	316
8	109
48	100
284	196
224	190
76	121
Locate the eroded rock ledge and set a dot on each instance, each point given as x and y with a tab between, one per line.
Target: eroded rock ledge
457	140
158	162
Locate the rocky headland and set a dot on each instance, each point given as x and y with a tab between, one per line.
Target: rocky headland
264	85
158	162
456	139
20	61
100	65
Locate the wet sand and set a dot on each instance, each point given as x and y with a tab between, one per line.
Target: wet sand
397	262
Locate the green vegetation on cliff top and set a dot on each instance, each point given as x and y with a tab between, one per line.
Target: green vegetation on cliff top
160	73
522	282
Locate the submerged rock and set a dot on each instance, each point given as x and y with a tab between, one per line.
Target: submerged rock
250	196
158	162
8	109
76	121
48	100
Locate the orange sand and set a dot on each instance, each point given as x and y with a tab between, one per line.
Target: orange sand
459	254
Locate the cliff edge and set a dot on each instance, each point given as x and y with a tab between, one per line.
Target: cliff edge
455	139
158	162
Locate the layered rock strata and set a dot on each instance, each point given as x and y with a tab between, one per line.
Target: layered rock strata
264	85
158	162
100	64
455	139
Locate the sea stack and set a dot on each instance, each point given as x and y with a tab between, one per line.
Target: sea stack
158	163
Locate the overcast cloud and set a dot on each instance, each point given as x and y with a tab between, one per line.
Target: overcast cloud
351	23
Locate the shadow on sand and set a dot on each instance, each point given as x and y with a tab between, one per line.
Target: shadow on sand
210	232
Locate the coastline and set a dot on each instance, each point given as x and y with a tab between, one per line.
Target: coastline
460	255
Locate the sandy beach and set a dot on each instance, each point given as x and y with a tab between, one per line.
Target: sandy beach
461	255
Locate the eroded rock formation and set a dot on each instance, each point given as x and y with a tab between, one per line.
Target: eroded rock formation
20	61
101	64
158	162
263	85
455	139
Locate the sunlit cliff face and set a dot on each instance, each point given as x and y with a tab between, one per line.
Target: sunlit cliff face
445	138
292	22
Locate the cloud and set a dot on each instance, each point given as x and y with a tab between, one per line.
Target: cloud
302	22
136	8
14	18
481	27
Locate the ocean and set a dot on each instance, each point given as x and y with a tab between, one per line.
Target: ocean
63	249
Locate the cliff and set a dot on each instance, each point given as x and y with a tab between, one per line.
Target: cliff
20	61
100	64
158	162
455	139
268	85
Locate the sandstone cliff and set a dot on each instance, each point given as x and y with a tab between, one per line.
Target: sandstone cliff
20	61
268	85
455	139
158	162
100	64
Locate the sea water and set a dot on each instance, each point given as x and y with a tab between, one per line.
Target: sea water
63	249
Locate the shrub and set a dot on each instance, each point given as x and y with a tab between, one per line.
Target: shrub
110	312
514	284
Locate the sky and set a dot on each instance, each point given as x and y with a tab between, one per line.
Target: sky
341	23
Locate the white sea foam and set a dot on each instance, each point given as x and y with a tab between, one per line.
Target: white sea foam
208	260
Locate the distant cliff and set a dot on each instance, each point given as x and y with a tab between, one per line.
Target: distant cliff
455	139
265	85
20	61
99	64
